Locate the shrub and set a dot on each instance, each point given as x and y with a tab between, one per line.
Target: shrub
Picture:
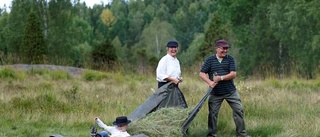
7	73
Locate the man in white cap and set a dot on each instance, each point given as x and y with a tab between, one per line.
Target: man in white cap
168	68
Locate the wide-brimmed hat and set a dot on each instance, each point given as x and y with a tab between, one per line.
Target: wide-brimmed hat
122	120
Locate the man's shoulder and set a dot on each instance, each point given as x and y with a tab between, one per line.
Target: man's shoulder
211	57
167	56
229	57
163	58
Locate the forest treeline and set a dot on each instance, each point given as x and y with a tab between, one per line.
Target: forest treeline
267	37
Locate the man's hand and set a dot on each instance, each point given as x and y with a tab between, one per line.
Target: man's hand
176	81
217	78
212	84
180	79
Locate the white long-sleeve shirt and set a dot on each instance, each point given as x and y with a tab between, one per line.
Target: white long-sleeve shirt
112	130
168	66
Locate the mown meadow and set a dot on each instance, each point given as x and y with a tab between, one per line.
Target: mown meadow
42	102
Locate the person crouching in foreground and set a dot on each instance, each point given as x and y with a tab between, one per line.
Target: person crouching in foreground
118	130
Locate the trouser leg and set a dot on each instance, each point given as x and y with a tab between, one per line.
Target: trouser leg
214	104
102	134
238	116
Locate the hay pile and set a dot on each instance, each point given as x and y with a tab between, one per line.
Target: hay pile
165	122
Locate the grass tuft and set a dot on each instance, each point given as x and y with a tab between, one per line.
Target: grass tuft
267	130
60	75
94	76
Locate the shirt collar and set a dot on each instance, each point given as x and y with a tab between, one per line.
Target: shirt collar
173	58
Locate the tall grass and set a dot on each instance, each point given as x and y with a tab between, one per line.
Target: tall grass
42	103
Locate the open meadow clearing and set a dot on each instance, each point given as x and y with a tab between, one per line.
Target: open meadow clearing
43	102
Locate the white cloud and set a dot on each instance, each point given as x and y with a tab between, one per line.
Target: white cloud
90	3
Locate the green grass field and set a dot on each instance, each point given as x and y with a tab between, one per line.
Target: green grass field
39	103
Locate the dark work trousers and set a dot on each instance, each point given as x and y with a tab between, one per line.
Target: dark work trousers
214	104
160	84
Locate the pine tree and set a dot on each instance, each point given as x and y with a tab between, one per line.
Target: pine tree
16	25
217	30
34	49
104	55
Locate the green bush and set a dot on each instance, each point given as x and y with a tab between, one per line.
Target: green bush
8	73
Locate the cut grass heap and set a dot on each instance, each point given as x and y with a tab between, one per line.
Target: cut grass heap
165	122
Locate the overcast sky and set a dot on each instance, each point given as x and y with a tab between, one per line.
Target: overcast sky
90	3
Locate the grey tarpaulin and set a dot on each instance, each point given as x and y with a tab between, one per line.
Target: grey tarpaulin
194	112
169	95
